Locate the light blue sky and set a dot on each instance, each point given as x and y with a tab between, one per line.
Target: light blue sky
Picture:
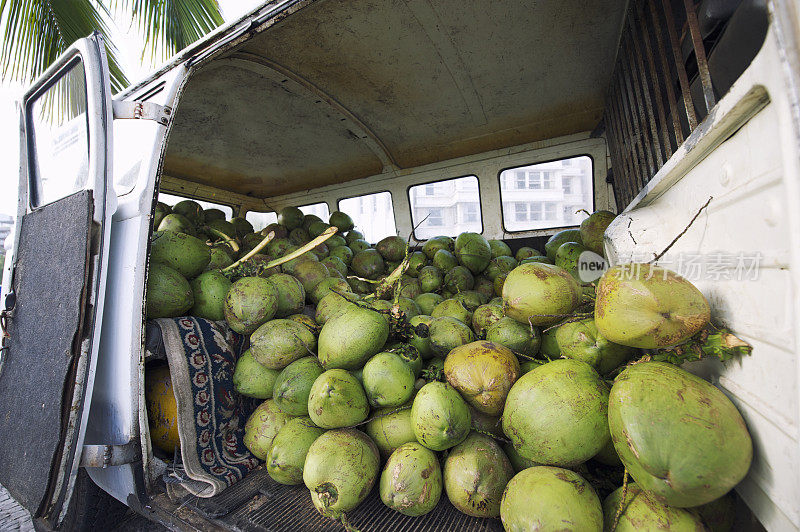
130	46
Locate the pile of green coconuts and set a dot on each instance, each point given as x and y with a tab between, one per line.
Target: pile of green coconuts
459	367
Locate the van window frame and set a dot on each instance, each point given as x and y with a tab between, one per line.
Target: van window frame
423	183
545	161
391	198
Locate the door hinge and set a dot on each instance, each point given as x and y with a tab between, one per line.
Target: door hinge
110	455
135	110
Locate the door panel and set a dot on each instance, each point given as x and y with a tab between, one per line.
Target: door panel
54	306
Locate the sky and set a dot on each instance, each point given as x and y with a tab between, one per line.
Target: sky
130	45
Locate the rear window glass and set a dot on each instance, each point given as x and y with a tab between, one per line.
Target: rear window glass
544	195
260	220
446	207
171	200
372	214
318	209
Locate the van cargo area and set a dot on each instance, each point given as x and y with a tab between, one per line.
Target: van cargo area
512	120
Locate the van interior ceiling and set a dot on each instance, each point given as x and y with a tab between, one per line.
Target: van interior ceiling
332	93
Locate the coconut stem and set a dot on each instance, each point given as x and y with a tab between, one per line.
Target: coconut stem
711	341
225	238
621	501
329	232
252	252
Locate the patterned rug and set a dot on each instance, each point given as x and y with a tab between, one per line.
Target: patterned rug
202	355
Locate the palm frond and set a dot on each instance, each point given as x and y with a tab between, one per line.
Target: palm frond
38	31
169	26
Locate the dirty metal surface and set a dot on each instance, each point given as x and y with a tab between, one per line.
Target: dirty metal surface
344	90
40	364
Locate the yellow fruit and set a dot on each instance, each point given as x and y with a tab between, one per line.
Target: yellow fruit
162	410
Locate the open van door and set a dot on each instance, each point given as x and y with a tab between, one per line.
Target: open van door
53	308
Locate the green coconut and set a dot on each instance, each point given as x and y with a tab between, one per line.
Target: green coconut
317	228
333	304
483	373
278	343
262	426
518	337
447	333
641	512
336	400
293	385
556	414
581	341
427	301
416	261
475	474
299	236
444	260
343	253
500	265
252	379
310	273
411	482
209	289
518	462
440	417
250	302
334	263
168	292
550	498
421	339
681	439
484	316
484	287
177	223
368	264
341	221
388	380
220	258
499	249
210	215
328	285
291	295
454	309
646	306
555	241
540	294
524	252
190	209
349	339
184	253
390	428
360	245
290	217
340	470
434	244
161	210
392	248
287	454
567	256
458	279
430	279
473	251
469	298
593	228
549	346
243	227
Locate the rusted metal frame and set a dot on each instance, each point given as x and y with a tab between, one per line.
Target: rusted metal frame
644	36
679	66
700	55
616	159
648	101
627	131
624	164
662	54
637	103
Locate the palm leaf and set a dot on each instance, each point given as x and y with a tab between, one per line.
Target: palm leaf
38	31
169	26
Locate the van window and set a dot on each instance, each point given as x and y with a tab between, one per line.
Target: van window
260	220
171	200
544	195
372	214
446	207
318	209
60	138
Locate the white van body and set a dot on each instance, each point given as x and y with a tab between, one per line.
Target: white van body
745	154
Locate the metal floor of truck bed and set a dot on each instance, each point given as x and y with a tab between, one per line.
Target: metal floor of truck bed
258	503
